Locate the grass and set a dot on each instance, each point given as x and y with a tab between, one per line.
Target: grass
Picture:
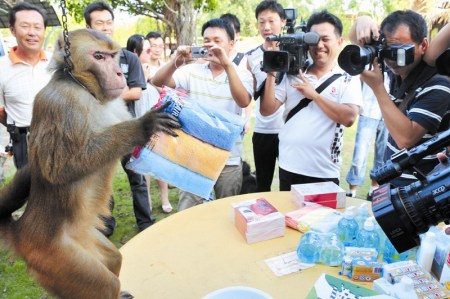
16	283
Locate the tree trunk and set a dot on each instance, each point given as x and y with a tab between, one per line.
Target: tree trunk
185	23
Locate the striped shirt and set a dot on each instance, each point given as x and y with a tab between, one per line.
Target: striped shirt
215	93
430	108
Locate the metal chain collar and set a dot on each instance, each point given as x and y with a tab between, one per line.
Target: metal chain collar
68	64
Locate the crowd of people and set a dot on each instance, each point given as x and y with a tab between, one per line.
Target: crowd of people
299	117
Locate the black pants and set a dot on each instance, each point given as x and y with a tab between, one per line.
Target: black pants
289	178
20	149
141	203
265	153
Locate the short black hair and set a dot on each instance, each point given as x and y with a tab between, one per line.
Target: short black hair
272	6
96	6
324	16
414	21
233	20
25	6
219	23
135	43
153	34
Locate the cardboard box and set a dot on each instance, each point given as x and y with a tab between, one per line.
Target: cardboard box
325	193
257	220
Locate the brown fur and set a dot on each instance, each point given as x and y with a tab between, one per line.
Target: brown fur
77	136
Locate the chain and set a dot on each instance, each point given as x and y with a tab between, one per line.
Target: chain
68	64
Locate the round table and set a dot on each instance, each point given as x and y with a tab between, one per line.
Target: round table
196	251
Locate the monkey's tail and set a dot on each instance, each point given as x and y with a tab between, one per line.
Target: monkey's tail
13	197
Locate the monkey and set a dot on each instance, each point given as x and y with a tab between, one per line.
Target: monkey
79	130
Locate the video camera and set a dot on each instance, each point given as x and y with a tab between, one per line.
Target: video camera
293	52
354	58
405	212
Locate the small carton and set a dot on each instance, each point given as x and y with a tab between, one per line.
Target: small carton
257	220
441	261
325	193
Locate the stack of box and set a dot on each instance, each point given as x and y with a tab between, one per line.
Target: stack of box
257	220
325	193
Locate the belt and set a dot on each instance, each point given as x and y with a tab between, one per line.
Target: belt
23	130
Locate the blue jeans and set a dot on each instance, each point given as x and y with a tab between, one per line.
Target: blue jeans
369	129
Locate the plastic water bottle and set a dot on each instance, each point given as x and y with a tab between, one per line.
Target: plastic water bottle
391	255
363	214
426	251
377	228
308	250
348	227
368	237
333	251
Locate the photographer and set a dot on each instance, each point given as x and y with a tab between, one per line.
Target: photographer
271	20
311	140
415	109
217	84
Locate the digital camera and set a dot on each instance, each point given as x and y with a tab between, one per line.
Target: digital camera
354	58
198	52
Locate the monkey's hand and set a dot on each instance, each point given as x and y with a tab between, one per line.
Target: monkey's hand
157	120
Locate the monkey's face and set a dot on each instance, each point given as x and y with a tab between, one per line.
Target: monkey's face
105	67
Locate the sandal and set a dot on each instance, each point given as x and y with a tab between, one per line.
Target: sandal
167	208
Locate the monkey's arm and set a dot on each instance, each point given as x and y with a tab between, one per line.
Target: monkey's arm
16	193
80	149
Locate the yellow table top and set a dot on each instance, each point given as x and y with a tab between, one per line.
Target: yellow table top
196	251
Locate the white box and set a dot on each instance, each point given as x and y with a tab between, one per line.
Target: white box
325	193
257	220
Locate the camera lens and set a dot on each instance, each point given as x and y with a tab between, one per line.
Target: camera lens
353	58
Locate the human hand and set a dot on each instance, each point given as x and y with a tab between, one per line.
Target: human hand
182	56
373	77
305	87
217	54
366	28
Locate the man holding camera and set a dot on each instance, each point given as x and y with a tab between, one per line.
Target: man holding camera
216	84
271	20
417	106
311	139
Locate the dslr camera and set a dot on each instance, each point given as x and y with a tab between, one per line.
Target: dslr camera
293	45
354	58
405	212
198	52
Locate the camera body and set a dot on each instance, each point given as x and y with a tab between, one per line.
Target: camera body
405	212
354	58
198	52
293	52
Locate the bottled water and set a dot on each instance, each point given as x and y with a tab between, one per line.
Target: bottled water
308	250
348	227
368	237
333	251
391	255
377	228
363	214
323	248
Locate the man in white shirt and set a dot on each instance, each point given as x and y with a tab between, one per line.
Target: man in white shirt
23	73
217	84
311	140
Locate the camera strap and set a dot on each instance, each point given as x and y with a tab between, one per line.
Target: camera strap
305	101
